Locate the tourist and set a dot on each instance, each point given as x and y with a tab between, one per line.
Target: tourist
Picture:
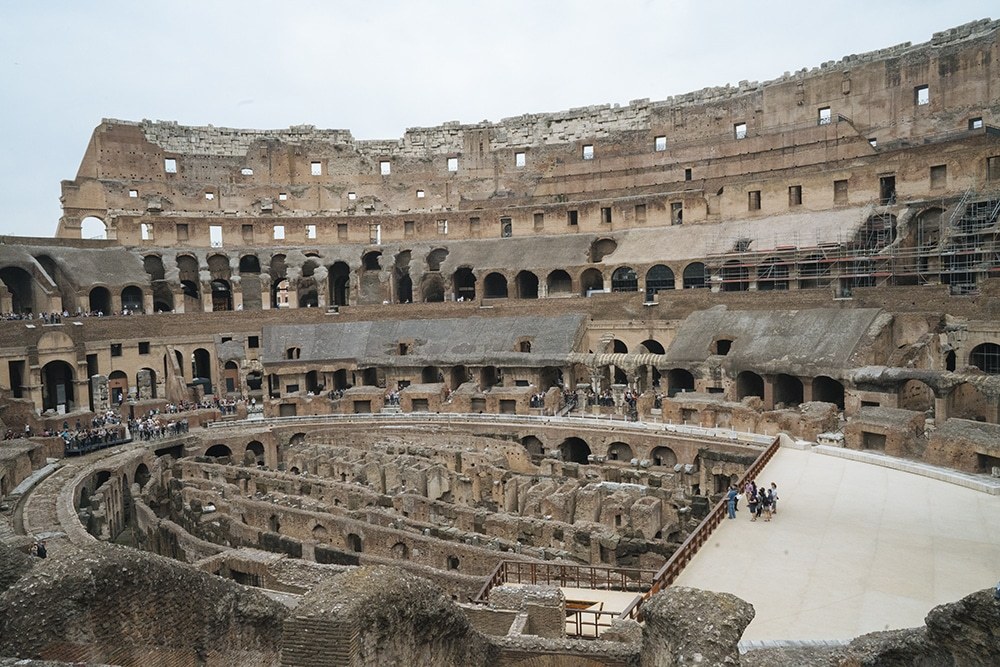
765	504
731	501
752	505
40	550
774	498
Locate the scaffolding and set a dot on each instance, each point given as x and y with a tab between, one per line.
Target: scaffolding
954	243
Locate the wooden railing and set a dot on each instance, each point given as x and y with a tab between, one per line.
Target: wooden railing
673	567
588	623
594	577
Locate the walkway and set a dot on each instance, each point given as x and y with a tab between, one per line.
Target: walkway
854	548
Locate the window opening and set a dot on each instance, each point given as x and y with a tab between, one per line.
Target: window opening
824	117
922	95
794	195
588	152
170	165
740	130
660	143
279	232
520	159
316	168
453	164
384	167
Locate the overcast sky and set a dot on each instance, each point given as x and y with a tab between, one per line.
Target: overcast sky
376	68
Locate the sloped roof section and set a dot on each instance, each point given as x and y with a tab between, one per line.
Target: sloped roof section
451	340
83	266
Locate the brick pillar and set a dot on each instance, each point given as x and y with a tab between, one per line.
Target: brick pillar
99	392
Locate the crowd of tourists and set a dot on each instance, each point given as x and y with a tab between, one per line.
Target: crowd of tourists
152	426
537	400
761	501
56	317
103	430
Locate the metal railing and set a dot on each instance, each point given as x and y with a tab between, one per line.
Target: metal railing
594	577
588	623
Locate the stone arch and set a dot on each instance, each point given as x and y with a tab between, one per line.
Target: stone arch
679	380
432	288
620	451
624	279
319	532
141	476
339	278
495	286
249	264
22	289
132	299
355	543
663	456
916	395
99	300
117	386
464	281
297	439
279	281
219	451
400	551
93	227
575	450
601	248
828	390
749	383
526	284
58	386
558	282
533	445
201	367
695	276
435	258
986	357
658	278
788	390
152	381
652	346
255	448
591	280
222	296
372	260
218	266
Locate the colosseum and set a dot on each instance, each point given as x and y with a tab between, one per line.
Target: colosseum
478	395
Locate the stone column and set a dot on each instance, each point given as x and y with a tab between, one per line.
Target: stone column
144	384
99	392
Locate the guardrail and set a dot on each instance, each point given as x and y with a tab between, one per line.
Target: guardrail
588	623
453	417
594	577
673	567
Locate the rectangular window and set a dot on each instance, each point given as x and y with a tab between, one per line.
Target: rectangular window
316	168
420	194
253	342
310	231
823	116
740	130
144	347
215	235
677	213
352	196
146	231
282	196
606	215
442	226
246	171
840	192
116	349
873	142
182	231
506	228
794	195
939	176
974	124
520	159
473	226
342	231
384	167
170	165
247	232
993	168
539	222
588	152
279	232
640	213
409	227
375	233
453	164
133	193
209	196
887	190
660	143
687	174
753	200
921	95
572	218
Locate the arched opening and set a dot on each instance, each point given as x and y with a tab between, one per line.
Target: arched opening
222	296
432	288
201	368
273	524
575	450
308	296
620	451
231	377
488	377
679	381
495	286
100	300
459	375
20	285
664	457
279	282
787	390
372	261
319	533
749	383
534	448
986	357
219	452
404	289
431	375
141	475
559	283
152	382
591	282
453	562
658	278
57	387
117	387
624	279
435	258
93	228
354	543
695	276
968	402
400	551
772	274
465	284
652	346
601	248
548	377
313	384
249	264
527	285
340	277
735	277
132	299
255	448
950	361
828	390
916	395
